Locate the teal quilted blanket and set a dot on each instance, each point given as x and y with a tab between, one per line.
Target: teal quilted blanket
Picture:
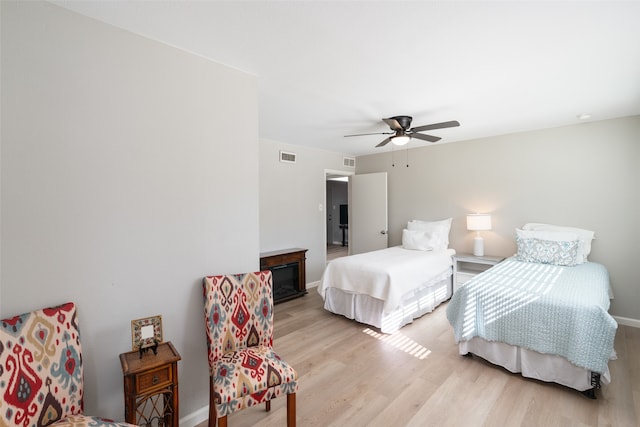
547	308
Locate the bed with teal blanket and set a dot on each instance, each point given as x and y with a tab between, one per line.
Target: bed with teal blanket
549	322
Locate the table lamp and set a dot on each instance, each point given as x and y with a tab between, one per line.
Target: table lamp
477	223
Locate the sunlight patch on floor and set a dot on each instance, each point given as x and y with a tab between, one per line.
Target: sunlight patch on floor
401	342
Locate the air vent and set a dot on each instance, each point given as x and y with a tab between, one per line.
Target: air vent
287	157
349	162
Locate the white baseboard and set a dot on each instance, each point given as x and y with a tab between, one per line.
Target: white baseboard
627	321
312	284
195	418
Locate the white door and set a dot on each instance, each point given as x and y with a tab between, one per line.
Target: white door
368	212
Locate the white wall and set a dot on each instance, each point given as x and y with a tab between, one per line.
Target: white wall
290	196
122	186
585	175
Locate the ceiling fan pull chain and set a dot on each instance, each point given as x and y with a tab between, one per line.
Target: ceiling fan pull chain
393	164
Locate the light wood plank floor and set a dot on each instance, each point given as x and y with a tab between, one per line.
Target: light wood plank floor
415	377
336	251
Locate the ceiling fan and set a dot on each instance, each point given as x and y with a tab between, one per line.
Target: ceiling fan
402	132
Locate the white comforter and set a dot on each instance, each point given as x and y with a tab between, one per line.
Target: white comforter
386	274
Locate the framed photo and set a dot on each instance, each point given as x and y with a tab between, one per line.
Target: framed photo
146	332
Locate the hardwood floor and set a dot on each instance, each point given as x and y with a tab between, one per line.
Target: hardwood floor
415	377
336	251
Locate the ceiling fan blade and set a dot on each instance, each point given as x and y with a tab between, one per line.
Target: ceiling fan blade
429	138
383	143
442	125
363	134
393	124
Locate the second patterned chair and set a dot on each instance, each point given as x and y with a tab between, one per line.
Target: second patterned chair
243	368
42	371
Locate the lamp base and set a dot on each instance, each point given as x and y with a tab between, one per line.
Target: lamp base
478	246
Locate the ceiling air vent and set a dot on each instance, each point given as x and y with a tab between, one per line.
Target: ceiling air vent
287	157
349	162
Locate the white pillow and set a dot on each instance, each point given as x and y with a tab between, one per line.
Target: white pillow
419	240
439	229
584	236
554	236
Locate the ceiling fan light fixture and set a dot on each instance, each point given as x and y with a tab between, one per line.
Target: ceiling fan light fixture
401	132
400	140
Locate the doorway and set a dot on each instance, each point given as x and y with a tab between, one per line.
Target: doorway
337	214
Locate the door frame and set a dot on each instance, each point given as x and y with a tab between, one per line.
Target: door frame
329	173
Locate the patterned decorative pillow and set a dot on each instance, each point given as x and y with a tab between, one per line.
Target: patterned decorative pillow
554	252
584	236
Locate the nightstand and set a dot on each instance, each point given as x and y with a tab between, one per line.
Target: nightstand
465	266
151	386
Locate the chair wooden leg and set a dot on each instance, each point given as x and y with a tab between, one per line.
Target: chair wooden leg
291	410
222	421
267	405
212	405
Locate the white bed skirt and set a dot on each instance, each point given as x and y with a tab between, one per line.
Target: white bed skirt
531	364
369	310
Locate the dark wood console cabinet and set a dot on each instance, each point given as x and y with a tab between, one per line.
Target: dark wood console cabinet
288	270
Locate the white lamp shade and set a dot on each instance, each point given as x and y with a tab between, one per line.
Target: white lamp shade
478	222
400	140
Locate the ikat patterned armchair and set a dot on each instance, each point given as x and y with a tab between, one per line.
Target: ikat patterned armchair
243	369
41	371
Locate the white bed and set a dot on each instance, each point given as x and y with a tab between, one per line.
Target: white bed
546	320
387	288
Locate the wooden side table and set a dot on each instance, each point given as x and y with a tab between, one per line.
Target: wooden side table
151	386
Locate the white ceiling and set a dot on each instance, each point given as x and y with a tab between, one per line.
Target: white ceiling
327	69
